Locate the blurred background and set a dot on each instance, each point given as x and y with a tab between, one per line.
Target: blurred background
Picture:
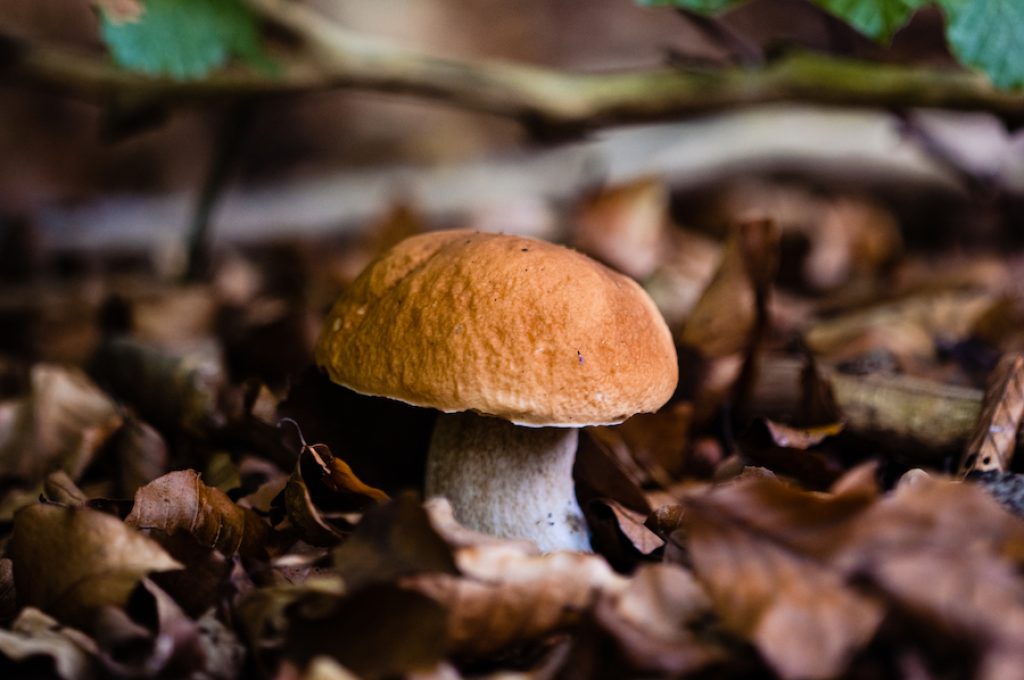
319	182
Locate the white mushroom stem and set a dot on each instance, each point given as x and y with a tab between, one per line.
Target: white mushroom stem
507	480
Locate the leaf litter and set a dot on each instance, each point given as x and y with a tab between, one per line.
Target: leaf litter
188	503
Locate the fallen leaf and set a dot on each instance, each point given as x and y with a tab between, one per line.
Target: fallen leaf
685	271
805	619
723	332
995	434
141	455
63	421
326	668
378	631
801	437
101	562
150	636
644	630
223	654
58	488
179	501
391	541
625	226
34	634
949	555
172	392
853	237
657	442
792	452
369	431
508	594
907	327
324	494
661	599
632	524
206	579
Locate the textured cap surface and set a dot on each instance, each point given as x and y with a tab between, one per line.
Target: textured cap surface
502	325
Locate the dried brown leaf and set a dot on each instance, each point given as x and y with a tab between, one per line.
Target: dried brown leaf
141	455
326	668
949	554
661	600
58	488
391	541
61	424
723	332
791	451
625	226
801	437
633	526
804	619
688	266
508	594
34	634
853	236
206	580
643	630
172	392
324	494
101	561
995	434
367	431
150	637
722	322
656	442
179	501
378	631
906	328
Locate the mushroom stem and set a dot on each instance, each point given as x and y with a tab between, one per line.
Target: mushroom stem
507	480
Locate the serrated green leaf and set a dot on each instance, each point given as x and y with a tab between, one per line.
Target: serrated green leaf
877	19
185	39
988	35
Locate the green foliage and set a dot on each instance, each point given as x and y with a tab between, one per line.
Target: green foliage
985	34
185	39
877	19
989	35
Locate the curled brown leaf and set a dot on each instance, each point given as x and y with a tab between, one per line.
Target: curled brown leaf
179	501
323	494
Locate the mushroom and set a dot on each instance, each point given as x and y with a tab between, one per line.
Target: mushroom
518	343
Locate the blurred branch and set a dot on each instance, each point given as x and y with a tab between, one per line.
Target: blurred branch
543	98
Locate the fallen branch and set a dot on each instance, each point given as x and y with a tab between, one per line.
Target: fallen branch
544	98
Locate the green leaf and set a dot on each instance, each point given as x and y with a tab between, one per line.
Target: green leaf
699	6
185	39
988	35
877	19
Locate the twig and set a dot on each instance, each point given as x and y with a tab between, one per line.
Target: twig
225	154
542	97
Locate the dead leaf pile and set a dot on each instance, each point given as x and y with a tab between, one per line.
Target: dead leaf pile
196	500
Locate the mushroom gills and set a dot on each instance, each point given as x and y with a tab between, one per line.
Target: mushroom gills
507	480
